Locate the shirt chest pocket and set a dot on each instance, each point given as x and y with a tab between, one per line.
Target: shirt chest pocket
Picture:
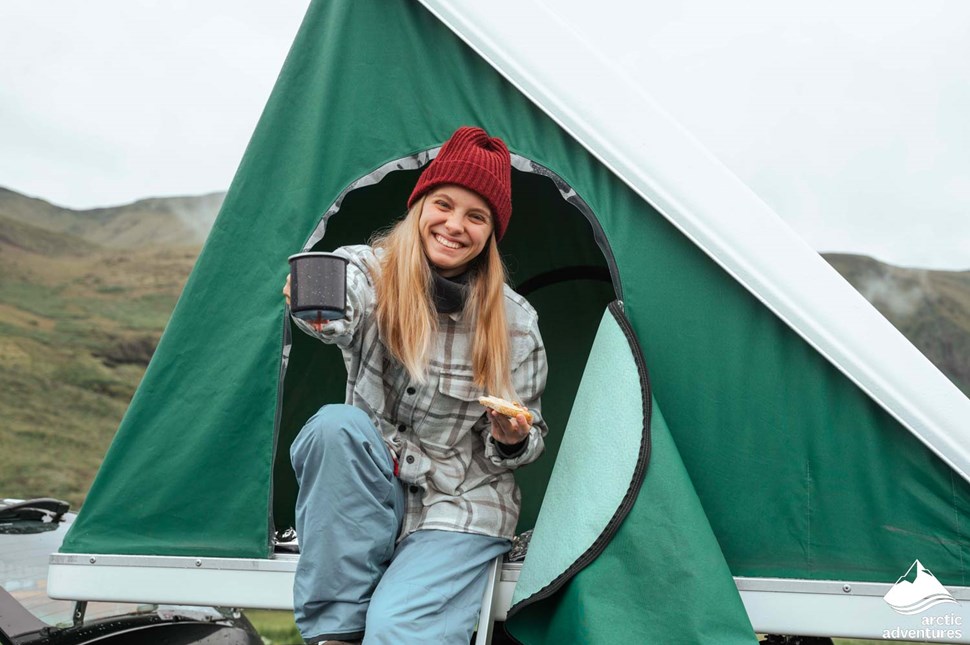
454	409
460	386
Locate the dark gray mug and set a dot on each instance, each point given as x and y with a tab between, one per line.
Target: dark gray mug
318	286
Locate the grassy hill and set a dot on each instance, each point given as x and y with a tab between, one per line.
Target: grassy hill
78	324
85	295
141	224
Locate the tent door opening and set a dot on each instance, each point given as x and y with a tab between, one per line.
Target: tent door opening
556	255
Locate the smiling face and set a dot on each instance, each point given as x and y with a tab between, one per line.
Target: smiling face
455	225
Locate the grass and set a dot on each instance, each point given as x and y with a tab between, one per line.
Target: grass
276	627
76	332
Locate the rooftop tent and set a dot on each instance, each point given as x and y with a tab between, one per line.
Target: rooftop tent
726	404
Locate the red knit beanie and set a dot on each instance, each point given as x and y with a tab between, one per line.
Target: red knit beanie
473	160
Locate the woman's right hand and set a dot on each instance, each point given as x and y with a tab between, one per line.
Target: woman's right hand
316	324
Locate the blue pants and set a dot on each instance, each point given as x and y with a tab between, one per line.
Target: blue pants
352	581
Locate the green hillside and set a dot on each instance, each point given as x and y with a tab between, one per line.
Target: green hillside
29	238
141	224
78	324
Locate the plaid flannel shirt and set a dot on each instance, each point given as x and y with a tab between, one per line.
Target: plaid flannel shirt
455	477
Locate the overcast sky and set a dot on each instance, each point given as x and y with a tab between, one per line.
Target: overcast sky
848	118
106	101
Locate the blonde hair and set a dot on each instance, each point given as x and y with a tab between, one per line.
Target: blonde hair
408	321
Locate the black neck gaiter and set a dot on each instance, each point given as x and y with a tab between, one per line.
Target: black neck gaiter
449	293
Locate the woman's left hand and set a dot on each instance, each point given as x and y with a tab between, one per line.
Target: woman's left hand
509	430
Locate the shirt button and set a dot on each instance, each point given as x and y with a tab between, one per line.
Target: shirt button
402	428
409	459
411	390
414	489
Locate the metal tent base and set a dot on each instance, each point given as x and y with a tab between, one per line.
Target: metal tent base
775	606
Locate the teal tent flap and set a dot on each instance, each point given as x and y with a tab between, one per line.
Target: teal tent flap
611	559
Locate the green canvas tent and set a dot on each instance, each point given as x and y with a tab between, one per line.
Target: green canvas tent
738	441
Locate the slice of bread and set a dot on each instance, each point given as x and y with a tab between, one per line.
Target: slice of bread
508	408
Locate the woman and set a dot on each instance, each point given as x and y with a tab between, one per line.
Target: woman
406	491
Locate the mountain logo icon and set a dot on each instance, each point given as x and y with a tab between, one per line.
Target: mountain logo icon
919	595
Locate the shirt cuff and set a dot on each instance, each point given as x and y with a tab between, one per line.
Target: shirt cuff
510	451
